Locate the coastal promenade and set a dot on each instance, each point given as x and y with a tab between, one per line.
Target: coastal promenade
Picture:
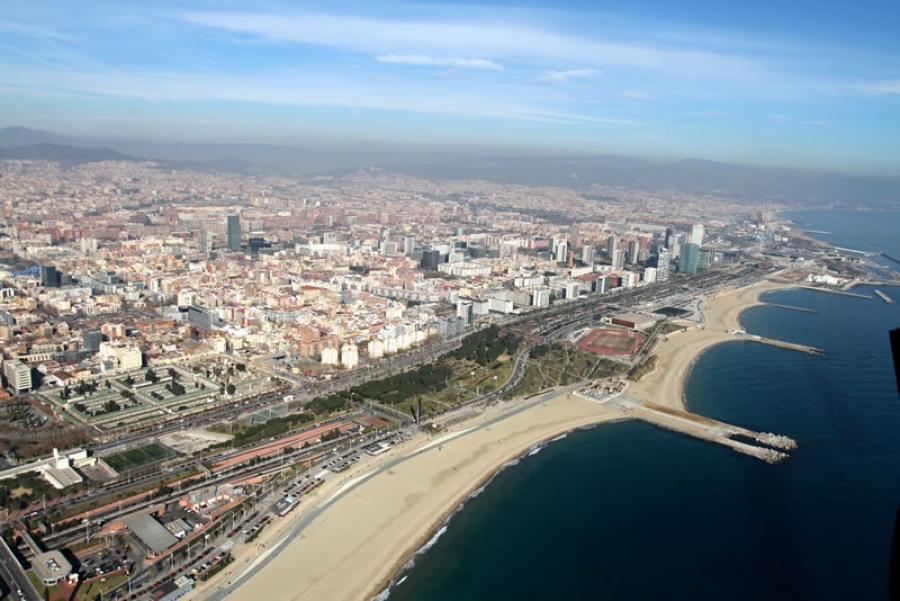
356	531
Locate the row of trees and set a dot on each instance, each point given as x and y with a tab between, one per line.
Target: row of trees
329	404
273	427
82	389
151	376
396	389
175	388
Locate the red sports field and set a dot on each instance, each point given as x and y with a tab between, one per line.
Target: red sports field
611	342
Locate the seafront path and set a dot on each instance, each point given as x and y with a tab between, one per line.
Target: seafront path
246	568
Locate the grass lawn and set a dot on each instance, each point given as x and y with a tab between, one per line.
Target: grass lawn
561	365
139	456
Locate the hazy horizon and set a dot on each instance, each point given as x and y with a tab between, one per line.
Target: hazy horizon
778	85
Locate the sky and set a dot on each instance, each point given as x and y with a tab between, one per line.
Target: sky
783	83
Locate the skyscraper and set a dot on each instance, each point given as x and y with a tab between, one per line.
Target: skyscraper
409	244
663	259
587	255
633	248
234	232
697	234
562	250
205	241
618	259
679	240
689	259
612	243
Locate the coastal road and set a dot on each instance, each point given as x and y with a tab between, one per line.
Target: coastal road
15	576
292	532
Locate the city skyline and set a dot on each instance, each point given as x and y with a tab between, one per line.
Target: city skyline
790	86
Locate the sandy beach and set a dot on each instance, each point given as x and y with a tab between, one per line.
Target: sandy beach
380	512
665	385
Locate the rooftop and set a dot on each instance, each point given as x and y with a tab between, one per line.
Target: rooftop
151	532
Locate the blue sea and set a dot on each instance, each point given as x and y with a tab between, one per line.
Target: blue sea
628	511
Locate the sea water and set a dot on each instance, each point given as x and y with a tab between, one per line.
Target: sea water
628	511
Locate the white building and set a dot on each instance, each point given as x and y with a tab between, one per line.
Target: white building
697	233
480	307
618	259
330	356
561	252
650	275
499	305
540	297
587	255
350	356
18	375
120	356
528	281
629	279
465	310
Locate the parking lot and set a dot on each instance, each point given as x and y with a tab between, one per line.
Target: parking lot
104	561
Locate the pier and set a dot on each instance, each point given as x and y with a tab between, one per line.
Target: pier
884	297
864	253
793	346
763	445
890	258
835	291
792	308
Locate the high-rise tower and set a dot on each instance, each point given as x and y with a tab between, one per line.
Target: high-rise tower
234	232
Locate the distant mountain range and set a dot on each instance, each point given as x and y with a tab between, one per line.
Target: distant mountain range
749	184
66	155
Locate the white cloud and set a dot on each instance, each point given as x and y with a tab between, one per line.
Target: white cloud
636	95
421	59
293	88
558	76
880	88
35	32
494	40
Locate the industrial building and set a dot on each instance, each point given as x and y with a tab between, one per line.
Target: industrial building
150	532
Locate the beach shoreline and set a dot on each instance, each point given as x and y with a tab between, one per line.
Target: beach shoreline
678	352
363	539
400	567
